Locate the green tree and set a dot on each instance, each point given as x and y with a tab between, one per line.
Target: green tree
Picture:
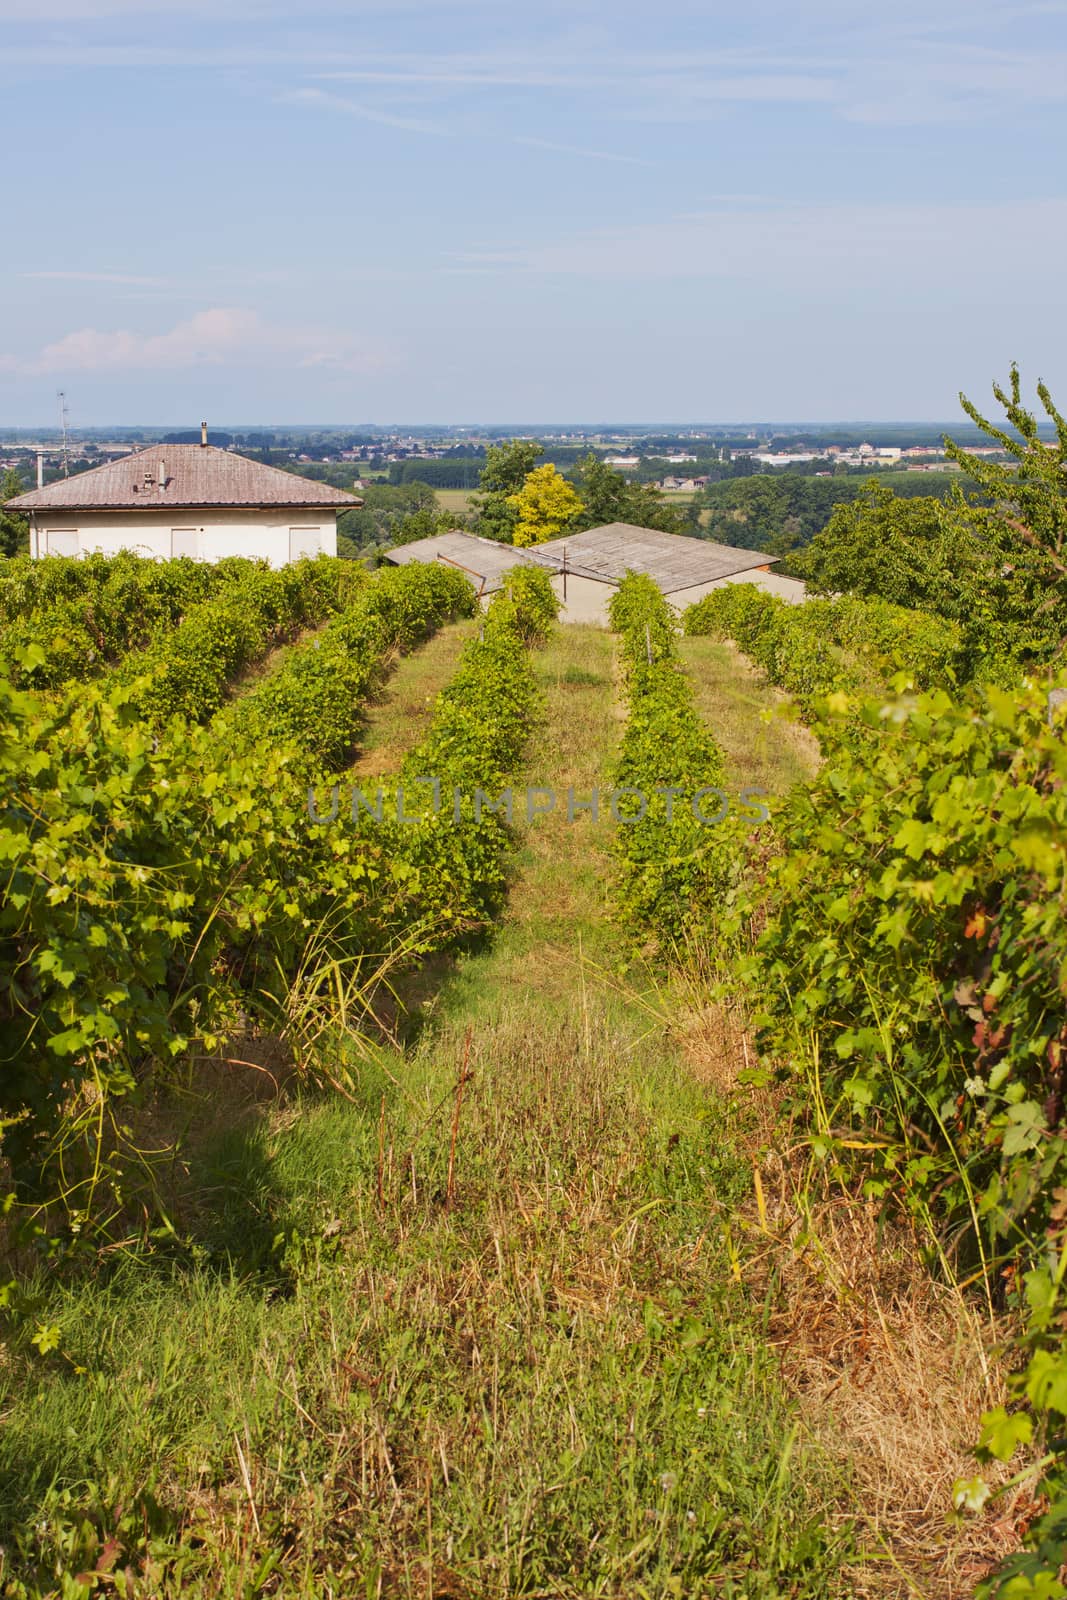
544	507
507	466
609	496
14	530
1031	494
906	551
957	559
424	524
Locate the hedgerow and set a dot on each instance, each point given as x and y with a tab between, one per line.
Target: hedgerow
671	865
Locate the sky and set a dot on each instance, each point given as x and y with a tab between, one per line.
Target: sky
423	211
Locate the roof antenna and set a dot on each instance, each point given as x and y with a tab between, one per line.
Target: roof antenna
203	434
64	422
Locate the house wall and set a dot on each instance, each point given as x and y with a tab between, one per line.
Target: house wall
208	534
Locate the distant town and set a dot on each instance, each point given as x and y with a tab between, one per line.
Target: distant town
678	461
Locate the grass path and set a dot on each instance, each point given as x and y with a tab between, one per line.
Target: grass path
474	1334
764	747
401	711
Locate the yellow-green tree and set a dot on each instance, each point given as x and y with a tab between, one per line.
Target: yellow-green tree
544	506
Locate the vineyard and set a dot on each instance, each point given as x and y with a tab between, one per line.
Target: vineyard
412	1193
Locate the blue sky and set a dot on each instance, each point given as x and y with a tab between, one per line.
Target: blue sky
405	210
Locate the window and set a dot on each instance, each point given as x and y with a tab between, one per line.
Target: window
185	542
304	542
61	542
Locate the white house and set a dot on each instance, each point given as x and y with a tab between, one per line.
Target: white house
588	567
185	500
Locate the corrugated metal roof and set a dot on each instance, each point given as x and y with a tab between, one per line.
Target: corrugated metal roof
672	560
195	475
485	558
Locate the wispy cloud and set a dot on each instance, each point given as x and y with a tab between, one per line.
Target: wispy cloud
842	249
913	64
319	98
122	278
581	150
222	336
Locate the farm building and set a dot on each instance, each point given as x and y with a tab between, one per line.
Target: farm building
587	567
486	562
185	500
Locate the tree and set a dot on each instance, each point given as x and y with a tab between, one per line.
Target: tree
544	507
1033	493
955	558
506	469
14	530
609	496
906	551
424	524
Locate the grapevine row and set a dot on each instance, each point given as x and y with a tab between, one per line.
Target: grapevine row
823	647
68	619
315	700
187	670
671	864
154	885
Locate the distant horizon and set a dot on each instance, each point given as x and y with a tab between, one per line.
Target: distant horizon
88	430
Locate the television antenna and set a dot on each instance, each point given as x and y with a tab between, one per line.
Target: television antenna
64	423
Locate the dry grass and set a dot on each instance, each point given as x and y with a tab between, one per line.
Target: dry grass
454	499
891	1368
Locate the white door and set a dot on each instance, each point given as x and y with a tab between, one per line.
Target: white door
304	542
61	542
185	542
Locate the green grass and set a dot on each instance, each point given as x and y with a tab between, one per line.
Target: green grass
401	713
440	1342
764	745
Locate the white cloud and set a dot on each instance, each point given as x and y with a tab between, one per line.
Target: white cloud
222	336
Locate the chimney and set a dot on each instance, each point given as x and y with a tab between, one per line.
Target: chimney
203	435
40	469
162	476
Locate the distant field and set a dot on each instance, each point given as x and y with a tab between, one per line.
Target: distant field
459	499
453	499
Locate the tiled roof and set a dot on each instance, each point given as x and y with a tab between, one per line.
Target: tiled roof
171	475
672	560
484	558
